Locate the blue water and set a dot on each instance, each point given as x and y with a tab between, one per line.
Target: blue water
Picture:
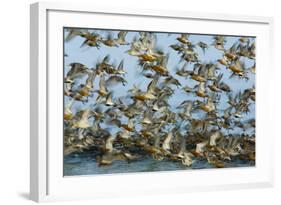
85	164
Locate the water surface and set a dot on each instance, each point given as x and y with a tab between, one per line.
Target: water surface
85	164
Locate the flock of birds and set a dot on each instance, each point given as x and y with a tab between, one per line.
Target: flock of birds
145	124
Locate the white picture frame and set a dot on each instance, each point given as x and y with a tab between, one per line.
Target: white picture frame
46	178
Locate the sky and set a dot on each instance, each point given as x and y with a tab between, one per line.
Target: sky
89	56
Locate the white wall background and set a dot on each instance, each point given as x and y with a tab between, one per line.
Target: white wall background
14	101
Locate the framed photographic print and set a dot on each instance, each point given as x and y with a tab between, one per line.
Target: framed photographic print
147	101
